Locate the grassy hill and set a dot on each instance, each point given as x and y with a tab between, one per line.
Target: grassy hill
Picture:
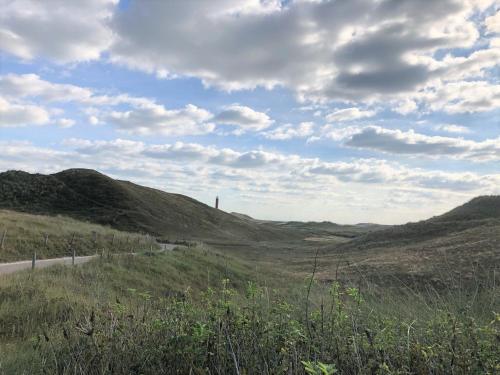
480	208
478	212
461	246
52	236
89	195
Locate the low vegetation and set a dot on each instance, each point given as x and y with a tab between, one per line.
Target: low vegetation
55	236
198	311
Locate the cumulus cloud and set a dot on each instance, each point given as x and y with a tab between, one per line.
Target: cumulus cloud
411	143
143	116
355	51
463	97
31	85
493	23
349	114
64	31
155	119
452	128
13	115
371	171
244	118
65	122
289	131
279	166
340	50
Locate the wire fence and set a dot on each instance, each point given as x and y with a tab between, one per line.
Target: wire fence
20	244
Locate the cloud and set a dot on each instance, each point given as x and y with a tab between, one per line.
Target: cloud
143	116
411	143
349	114
369	171
283	167
32	86
65	122
289	131
493	23
64	31
356	50
463	97
337	133
244	118
155	119
360	50
452	128
14	115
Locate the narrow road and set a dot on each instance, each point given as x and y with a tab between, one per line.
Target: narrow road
6	268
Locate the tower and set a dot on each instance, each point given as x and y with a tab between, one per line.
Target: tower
217	202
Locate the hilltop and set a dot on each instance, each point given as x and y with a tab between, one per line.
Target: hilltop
480	211
89	195
480	208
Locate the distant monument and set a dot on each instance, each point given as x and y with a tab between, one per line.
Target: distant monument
217	202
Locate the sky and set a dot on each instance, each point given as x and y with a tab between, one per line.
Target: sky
383	111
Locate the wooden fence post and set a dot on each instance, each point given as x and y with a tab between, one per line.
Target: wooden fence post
72	249
3	238
33	260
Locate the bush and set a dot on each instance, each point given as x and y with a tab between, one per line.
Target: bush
259	332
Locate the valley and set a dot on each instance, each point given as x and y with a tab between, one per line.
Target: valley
231	276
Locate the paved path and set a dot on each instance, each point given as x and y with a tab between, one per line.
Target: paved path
6	268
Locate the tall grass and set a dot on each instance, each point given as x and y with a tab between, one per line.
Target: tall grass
56	236
129	320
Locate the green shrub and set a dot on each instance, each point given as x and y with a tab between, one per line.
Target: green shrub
256	333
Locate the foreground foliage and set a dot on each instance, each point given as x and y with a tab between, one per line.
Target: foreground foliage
116	316
260	333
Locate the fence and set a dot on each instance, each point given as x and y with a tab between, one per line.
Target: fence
21	244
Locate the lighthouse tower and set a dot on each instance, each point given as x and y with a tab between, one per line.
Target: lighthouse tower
217	202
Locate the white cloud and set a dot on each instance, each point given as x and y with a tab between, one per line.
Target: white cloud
289	131
65	122
411	143
13	115
155	119
93	120
463	97
349	114
337	133
61	30
493	23
244	118
405	106
287	167
452	128
143	116
357	50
